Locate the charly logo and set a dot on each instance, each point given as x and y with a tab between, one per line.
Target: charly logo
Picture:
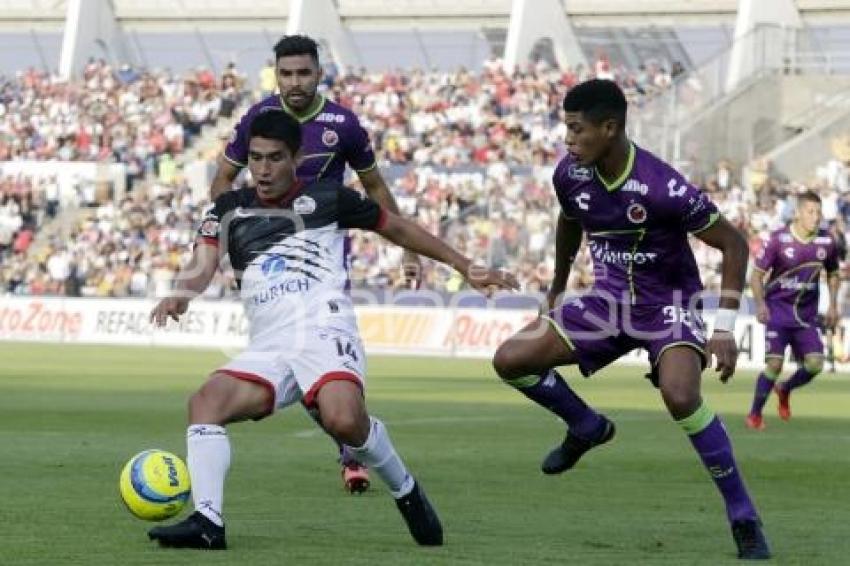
636	213
582	201
673	191
273	265
330	138
304	205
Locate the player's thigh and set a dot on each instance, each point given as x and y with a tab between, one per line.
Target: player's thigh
225	398
534	349
661	329
806	343
263	365
330	355
776	341
679	375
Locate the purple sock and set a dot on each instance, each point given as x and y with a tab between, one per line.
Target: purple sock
553	393
799	379
764	386
715	450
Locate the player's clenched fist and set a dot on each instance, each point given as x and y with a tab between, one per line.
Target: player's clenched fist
169	307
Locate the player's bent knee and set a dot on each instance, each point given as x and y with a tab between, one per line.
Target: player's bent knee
347	426
774	365
681	400
813	364
342	411
504	360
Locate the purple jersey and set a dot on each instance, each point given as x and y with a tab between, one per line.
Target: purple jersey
331	136
637	227
795	264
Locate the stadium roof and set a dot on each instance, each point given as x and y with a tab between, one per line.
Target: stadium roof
211	14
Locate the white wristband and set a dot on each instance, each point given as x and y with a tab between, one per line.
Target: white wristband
724	320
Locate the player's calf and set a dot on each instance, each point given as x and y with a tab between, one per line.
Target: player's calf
811	367
379	454
765	383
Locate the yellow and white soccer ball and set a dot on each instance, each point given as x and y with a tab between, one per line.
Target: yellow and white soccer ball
155	485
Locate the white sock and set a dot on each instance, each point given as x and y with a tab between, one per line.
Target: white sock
208	455
379	455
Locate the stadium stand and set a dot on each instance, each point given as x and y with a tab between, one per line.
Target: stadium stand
469	155
468	152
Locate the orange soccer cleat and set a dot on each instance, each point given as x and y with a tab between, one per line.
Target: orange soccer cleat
355	478
755	422
784	407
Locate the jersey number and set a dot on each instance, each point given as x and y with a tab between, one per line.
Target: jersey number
344	349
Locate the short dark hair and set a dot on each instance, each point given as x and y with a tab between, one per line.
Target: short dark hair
598	100
296	45
808	196
277	124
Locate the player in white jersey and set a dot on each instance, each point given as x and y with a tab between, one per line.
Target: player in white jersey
285	244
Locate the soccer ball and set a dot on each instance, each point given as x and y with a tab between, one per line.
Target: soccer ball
155	485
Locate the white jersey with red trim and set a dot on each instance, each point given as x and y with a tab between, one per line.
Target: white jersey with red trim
291	257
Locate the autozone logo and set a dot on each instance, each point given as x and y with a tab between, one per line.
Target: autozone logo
474	332
38	318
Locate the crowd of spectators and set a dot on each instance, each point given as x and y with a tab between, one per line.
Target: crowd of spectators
468	155
124	115
135	247
451	119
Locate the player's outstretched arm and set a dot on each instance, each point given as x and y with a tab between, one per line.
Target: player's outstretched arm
189	283
377	190
757	286
724	237
833	281
568	235
413	237
225	174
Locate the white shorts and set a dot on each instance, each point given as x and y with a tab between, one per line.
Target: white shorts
296	372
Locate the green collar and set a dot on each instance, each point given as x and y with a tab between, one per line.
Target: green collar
616	183
801	239
308	114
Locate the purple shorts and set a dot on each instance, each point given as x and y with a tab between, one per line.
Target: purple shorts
600	330
803	341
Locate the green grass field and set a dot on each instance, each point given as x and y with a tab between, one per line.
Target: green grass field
70	416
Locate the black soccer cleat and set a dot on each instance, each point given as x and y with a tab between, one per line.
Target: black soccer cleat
195	531
421	518
750	540
572	448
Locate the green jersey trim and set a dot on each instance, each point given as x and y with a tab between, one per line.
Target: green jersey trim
618	182
308	114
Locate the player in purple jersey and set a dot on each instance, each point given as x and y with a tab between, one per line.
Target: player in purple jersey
332	138
791	261
637	212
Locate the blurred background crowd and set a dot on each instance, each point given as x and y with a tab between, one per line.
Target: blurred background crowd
468	154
